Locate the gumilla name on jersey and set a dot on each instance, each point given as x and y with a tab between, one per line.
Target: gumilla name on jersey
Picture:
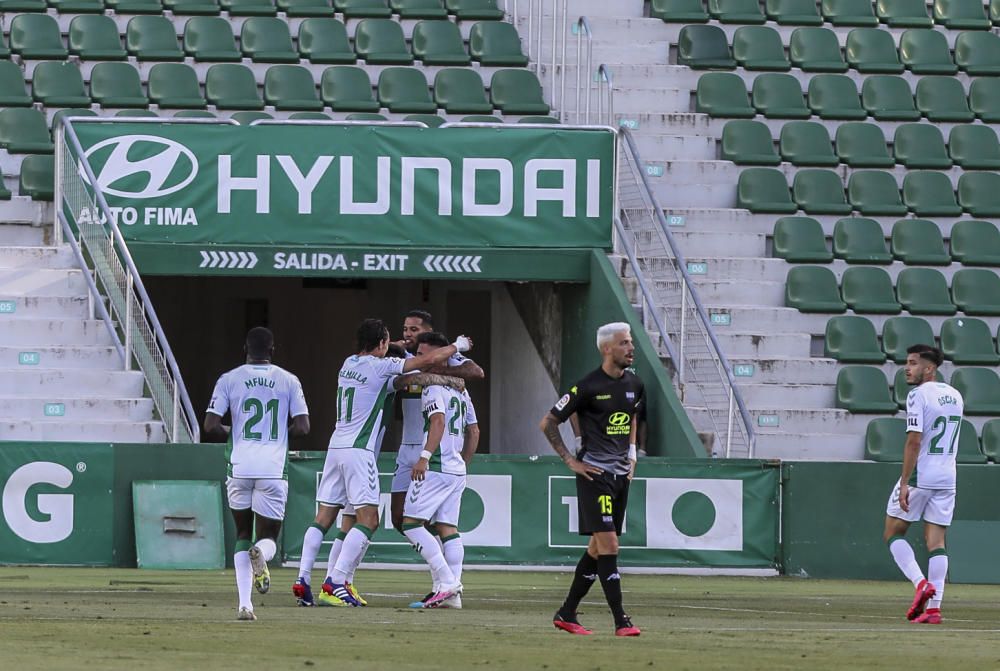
259	382
354	375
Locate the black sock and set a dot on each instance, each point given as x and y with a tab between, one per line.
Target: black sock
586	574
611	582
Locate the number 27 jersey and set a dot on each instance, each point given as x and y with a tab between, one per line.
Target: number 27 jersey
935	410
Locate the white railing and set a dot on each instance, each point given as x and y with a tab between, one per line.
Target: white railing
534	19
116	288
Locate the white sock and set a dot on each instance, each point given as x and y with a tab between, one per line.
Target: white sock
268	548
423	541
907	563
454	554
331	562
937	569
310	548
244	578
355	545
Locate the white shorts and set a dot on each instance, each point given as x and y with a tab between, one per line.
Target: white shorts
266	497
406	458
936	506
436	498
350	476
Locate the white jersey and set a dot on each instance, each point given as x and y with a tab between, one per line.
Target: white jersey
458	413
413	418
935	410
362	386
261	398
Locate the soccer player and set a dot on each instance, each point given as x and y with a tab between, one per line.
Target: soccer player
926	487
606	402
260	397
437	482
350	474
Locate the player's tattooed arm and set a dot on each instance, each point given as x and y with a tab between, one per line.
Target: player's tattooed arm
911	450
468	370
300	426
550	427
427	380
214	429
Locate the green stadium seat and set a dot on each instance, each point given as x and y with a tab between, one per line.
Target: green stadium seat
862	145
345	88
37	178
309	116
265	39
439	43
864	390
294	9
813	289
57	84
758	48
210	38
848	12
800	240
872	50
12	91
678	11
852	339
926	52
900	387
901	333
137	114
381	42
764	190
249	7
860	240
969	451
545	119
95	38
57	118
793	12
993	8
193	7
517	92
5	50
36	37
980	389
291	87
736	11
976	291
888	98
405	90
431	120
195	114
152	38
984	99
174	86
975	243
231	86
924	291
918	242
978	53
357	9
77	6
481	118
834	97
247	118
967	342
474	9
942	98
806	143
979	193
779	96
974	147
496	43
460	91
816	50
929	194
23	131
884	439
961	14
875	193
747	142
920	145
419	9
723	94
324	40
903	13
365	116
868	290
819	192
117	85
704	47
22	6
991	440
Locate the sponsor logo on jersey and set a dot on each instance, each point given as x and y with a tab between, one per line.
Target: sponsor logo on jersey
602	397
913	421
619	424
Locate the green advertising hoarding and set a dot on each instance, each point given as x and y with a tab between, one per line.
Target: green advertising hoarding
365	185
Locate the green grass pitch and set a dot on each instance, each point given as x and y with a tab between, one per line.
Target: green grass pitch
57	618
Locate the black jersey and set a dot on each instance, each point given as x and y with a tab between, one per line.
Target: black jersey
604	406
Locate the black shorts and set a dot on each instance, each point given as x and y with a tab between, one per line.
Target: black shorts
601	502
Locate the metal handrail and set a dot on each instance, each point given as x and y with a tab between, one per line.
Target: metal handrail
605	80
582	24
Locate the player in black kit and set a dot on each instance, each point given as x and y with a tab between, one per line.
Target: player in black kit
606	403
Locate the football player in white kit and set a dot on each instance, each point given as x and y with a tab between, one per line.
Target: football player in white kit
926	487
260	397
438	481
350	474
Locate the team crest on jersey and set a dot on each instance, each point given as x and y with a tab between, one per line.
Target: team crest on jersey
561	403
630	395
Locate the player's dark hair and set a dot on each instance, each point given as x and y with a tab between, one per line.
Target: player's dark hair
423	316
370	334
260	341
927	352
433	338
395	351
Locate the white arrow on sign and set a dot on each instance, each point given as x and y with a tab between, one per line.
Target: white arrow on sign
214	259
448	263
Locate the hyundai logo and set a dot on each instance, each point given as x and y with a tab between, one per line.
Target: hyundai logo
166	165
